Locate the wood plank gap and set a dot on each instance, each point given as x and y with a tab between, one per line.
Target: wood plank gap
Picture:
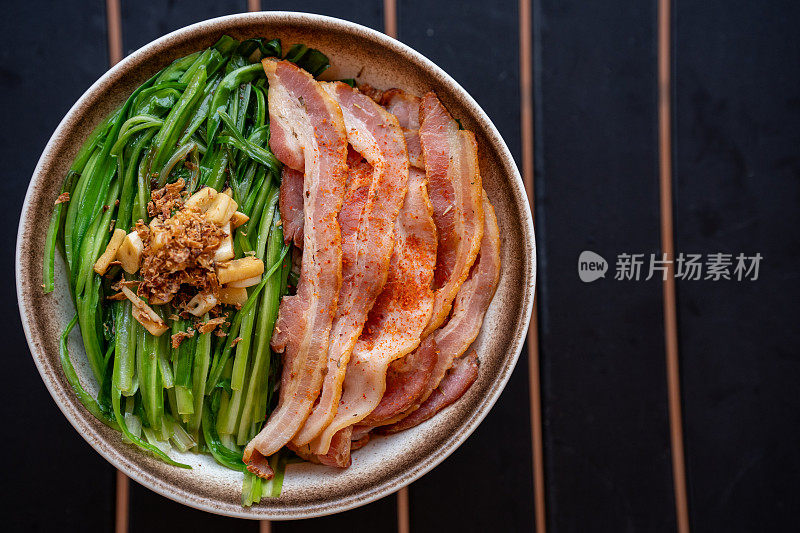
390	18
114	25
122	507
253	5
403	512
534	383
668	248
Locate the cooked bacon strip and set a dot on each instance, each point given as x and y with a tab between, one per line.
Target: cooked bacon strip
303	453
290	203
454	182
473	299
359	443
301	110
397	318
355	199
403	105
338	455
374	133
360	431
290	200
411	380
371	91
291	195
259	465
458	379
289	112
339	452
414	147
406	380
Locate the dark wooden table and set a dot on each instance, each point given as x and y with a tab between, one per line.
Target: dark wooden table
699	156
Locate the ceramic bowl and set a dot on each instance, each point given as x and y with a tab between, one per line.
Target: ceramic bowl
387	463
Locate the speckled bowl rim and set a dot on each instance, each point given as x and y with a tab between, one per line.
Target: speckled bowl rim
422	464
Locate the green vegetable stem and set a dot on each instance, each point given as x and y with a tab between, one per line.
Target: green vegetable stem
204	118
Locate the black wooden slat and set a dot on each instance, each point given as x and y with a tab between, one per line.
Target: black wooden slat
380	516
486	485
365	12
737	187
144	21
51	475
477	44
151	512
149	20
602	344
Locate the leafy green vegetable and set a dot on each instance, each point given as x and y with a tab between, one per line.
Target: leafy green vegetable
308	59
203	118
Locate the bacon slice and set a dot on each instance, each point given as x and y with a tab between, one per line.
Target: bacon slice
305	121
398	317
371	91
360	431
259	465
359	443
290	200
338	455
355	200
290	203
339	452
473	299
403	105
414	147
458	379
366	220
471	303
454	182
406	380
